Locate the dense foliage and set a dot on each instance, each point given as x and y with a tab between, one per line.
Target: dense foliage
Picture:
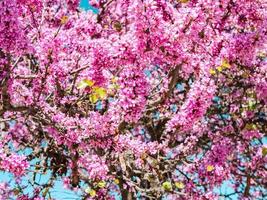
147	98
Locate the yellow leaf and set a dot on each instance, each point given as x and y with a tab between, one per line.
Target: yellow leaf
92	193
93	98
116	181
85	83
64	19
101	184
220	68
210	168
179	185
225	64
212	72
100	92
97	93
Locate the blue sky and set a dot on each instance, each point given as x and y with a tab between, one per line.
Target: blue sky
85	5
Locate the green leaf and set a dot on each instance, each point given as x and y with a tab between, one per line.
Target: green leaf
251	104
264	151
167	186
251	127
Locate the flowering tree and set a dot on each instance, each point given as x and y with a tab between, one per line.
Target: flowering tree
147	98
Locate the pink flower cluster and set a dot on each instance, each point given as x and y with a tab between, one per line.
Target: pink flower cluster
143	94
12	35
132	94
15	164
136	146
5	192
195	106
95	167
